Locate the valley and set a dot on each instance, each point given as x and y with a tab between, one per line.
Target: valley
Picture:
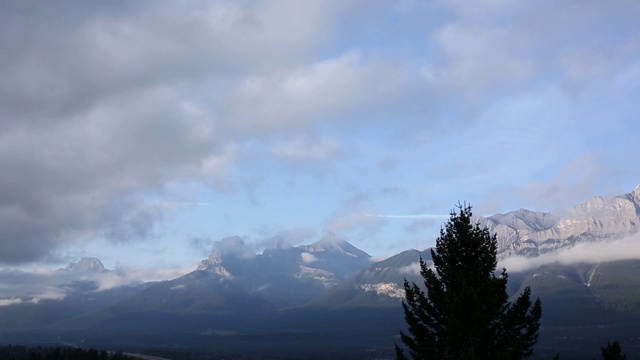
329	299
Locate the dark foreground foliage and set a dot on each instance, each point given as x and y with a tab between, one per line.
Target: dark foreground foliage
465	311
613	351
16	352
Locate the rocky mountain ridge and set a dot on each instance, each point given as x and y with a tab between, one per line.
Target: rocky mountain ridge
529	233
86	264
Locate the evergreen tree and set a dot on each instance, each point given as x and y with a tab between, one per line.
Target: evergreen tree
613	351
465	312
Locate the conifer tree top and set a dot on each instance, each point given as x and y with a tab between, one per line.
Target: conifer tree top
462	310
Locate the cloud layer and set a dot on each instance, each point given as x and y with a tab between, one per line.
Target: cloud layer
585	252
285	112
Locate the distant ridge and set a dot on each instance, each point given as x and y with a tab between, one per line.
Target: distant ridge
86	264
530	233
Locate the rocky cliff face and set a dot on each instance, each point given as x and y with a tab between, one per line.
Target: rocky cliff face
89	265
525	232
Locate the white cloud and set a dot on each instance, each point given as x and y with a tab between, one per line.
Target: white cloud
301	149
582	64
573	183
18	286
124	108
584	252
131	99
305	94
479	58
14	301
308	258
355	221
136	275
411	216
412	269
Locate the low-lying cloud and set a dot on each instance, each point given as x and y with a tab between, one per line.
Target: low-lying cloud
411	269
308	258
586	252
18	287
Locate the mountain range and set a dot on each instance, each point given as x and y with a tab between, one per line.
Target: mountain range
330	298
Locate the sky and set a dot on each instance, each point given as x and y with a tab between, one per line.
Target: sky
140	132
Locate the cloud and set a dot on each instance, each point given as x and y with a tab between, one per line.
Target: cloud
411	216
478	59
308	258
234	247
412	269
200	245
584	252
285	237
301	96
178	287
104	107
422	224
123	98
14	301
123	276
18	286
301	149
358	221
418	222
133	98
573	183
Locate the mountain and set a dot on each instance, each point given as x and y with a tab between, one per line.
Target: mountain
329	298
69	292
233	280
379	285
86	265
529	233
285	275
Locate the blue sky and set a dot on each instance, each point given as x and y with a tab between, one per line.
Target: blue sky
141	132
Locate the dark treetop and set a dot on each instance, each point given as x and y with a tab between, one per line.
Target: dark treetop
464	311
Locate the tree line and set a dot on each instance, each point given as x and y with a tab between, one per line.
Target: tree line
19	352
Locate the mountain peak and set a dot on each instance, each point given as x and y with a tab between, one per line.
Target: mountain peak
333	243
331	238
86	264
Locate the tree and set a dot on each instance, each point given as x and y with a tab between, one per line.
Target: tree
465	312
613	351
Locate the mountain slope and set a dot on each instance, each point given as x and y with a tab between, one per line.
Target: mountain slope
75	291
379	285
234	280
